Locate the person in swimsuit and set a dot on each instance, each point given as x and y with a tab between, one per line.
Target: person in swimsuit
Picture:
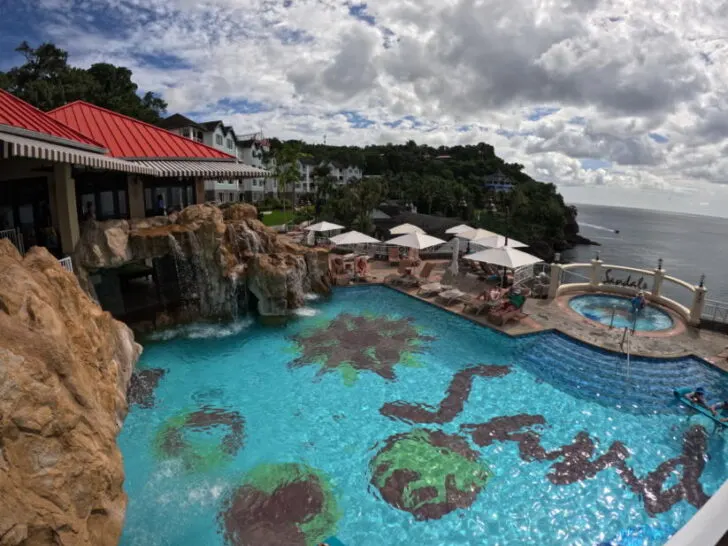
698	397
721	406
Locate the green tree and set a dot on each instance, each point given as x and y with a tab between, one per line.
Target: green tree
287	159
47	81
353	205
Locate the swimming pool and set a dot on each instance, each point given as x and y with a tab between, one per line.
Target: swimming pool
599	308
424	429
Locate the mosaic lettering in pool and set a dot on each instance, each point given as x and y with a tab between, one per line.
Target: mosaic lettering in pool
535	441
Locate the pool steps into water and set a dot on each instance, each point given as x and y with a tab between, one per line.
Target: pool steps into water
601	376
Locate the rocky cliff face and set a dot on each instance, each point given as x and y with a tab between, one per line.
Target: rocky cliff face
64	370
219	255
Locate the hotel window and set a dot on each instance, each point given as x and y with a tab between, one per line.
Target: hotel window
229	144
218	140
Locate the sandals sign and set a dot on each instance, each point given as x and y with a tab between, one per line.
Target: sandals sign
640	283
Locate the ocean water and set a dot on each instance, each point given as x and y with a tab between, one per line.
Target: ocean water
426	429
690	245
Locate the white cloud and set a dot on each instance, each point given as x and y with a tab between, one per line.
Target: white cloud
637	85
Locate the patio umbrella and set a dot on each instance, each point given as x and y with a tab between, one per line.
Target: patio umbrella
505	257
456	230
474	234
353	238
454	267
497	241
418	241
323	226
405	228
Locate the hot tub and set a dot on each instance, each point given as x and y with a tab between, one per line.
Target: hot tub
600	307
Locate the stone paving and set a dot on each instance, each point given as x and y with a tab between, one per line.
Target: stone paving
546	315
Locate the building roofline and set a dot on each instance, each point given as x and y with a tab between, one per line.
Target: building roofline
44	137
102	109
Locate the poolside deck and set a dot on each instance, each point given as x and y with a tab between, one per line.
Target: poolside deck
546	315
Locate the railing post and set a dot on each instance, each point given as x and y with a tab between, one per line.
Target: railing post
696	309
596	273
555	280
657	284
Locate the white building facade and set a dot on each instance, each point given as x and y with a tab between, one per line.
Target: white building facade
254	150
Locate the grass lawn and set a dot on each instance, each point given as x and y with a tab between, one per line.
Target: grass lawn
276	218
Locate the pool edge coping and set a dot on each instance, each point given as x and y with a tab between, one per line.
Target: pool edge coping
554	330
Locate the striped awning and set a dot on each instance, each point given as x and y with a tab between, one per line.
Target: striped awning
207	169
20	146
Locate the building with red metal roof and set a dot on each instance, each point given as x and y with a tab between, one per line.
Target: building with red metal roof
130	138
18	114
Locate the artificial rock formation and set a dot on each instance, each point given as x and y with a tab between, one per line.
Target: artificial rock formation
64	369
218	253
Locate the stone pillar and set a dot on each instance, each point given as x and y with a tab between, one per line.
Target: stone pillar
66	206
596	274
555	280
135	191
657	284
696	309
199	190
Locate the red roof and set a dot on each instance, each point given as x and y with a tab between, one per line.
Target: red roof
19	114
130	138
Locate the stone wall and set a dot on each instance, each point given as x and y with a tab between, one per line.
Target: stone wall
218	252
64	369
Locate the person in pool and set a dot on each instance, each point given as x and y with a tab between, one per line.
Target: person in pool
698	397
638	302
721	406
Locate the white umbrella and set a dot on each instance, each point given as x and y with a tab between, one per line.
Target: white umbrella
462	228
474	234
353	238
405	228
454	267
505	257
323	226
415	240
497	241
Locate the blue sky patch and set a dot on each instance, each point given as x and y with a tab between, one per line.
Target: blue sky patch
356	120
577	120
290	36
657	137
591	164
359	11
541	112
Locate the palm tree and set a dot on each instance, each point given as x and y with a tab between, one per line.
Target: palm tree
287	170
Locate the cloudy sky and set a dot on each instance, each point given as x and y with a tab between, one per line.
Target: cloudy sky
620	102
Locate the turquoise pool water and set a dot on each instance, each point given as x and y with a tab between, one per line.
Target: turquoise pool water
425	430
599	308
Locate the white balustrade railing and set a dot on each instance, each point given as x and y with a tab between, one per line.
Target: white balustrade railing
716	311
66	264
627	281
15	237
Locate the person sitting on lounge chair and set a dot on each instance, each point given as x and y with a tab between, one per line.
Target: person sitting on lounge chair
698	397
513	302
490	294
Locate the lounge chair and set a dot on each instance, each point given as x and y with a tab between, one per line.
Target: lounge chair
403	275
425	272
449	297
432	289
393	255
